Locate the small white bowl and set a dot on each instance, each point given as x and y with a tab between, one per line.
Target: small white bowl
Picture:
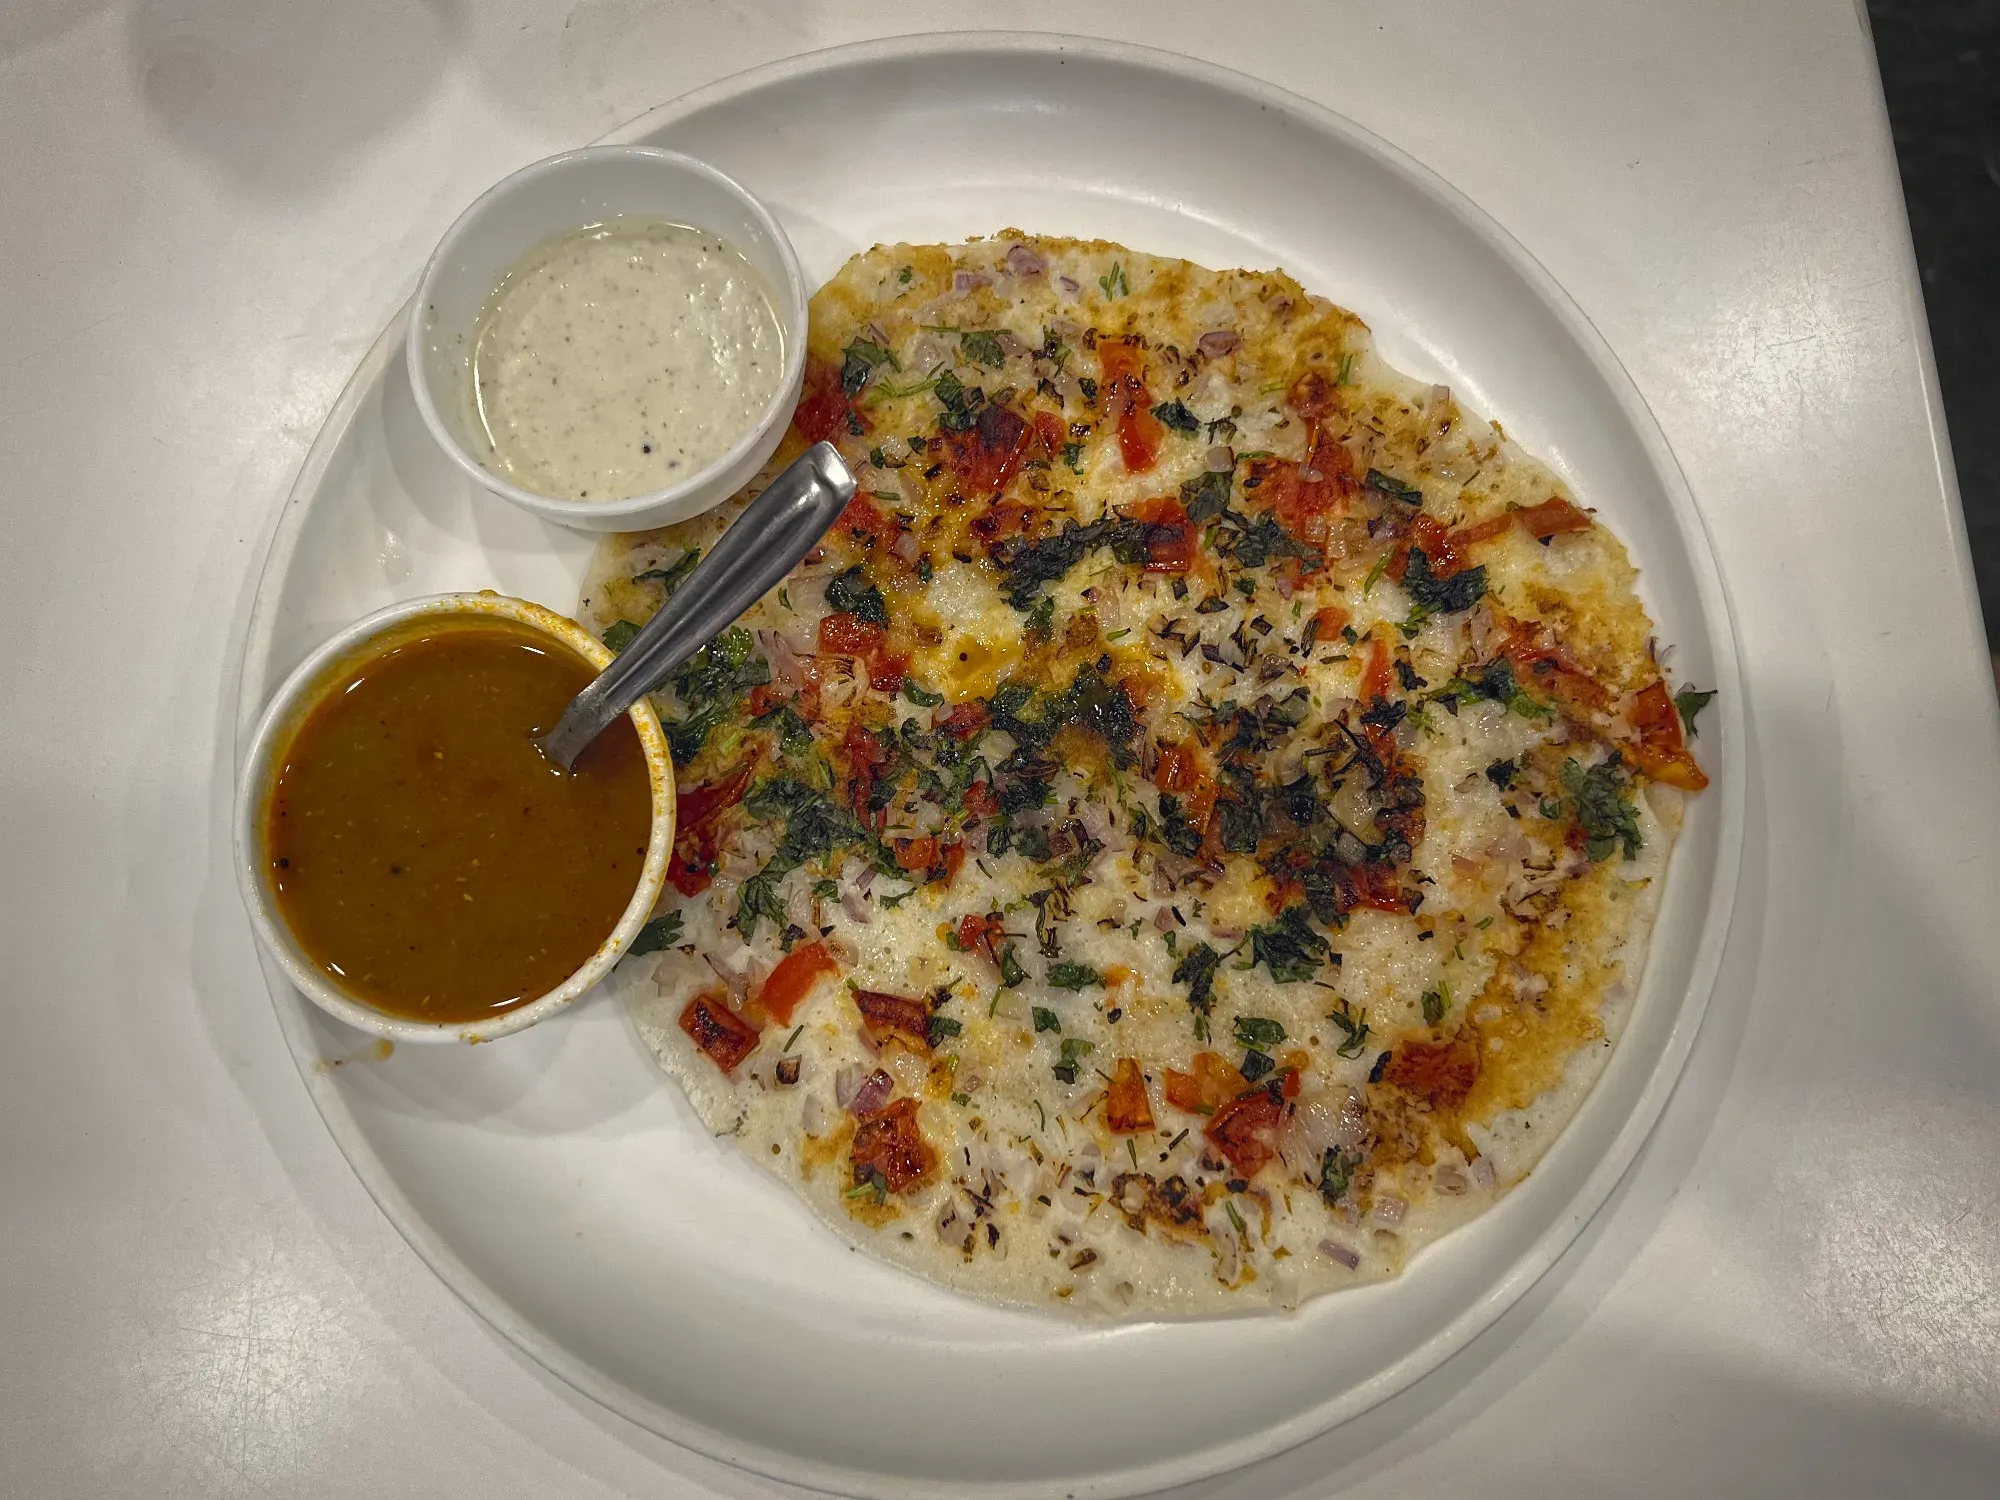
553	197
280	720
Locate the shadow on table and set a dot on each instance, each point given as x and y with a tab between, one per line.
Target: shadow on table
281	97
25	26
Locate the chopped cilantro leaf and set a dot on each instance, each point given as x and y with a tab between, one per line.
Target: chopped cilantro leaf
1603	806
861	359
1353	1030
1442	595
1175	414
1394	488
1176	831
1042	618
1257	1031
619	634
1196	970
983	348
1689	702
1074	1050
1288	947
1046	1019
674	575
851	593
1071	976
1336	1172
1011	972
662	932
1206	496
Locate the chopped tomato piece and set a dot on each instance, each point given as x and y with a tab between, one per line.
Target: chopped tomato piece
849	635
1376	887
1185	773
987	454
891	1145
954	859
1183	768
867	523
1170	535
1125	397
1049	433
1311	396
1552	517
718	1031
1376	676
1241	1130
1328	621
705	803
1445	551
822	410
1127	1110
696	812
1305	497
1439	1073
1550	672
963	720
982	935
916	855
1467	537
1430	535
864	753
999	521
1662	751
690	875
979	801
894	1016
886	670
1212	1084
793	979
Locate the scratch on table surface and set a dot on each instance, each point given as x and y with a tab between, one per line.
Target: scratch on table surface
248	1369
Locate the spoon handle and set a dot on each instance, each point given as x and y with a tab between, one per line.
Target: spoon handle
766	542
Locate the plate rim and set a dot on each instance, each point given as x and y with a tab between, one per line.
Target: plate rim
295	1016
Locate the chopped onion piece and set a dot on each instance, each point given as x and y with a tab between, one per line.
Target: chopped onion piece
873	1093
1346	1255
1024	262
1217	342
1389	1209
847	1083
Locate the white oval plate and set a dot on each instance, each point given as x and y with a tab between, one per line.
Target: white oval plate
569	1195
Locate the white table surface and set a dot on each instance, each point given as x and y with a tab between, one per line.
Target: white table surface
208	208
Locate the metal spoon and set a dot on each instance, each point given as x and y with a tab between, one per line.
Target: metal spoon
766	542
